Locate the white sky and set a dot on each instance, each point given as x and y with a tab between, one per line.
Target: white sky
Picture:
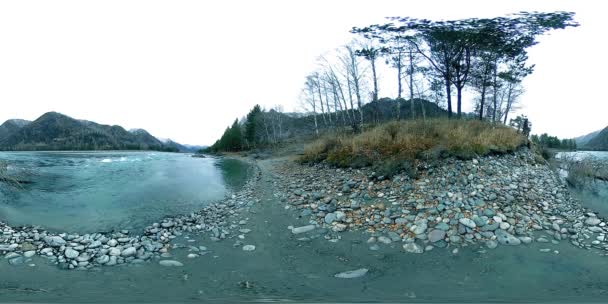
186	69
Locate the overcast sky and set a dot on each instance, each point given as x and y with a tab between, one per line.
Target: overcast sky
186	69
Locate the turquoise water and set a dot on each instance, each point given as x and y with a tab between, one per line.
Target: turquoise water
100	191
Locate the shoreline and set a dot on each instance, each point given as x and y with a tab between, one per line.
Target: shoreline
420	213
488	201
72	250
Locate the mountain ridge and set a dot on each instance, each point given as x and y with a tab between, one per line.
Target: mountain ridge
56	131
598	142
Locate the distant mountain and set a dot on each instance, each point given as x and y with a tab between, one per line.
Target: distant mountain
195	148
180	147
55	131
582	140
599	141
11	126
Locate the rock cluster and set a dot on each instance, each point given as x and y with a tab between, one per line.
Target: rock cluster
494	200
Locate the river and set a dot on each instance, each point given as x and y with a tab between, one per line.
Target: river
100	191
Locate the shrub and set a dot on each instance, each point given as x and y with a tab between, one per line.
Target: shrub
389	145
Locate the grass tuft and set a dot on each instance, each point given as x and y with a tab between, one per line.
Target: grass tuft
400	142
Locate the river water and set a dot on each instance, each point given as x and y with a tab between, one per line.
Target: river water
595	194
100	191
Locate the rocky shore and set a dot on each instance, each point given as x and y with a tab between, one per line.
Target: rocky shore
221	220
492	201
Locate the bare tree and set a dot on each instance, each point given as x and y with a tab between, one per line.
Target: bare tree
355	72
309	101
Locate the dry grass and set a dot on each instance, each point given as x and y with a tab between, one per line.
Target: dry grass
411	140
584	172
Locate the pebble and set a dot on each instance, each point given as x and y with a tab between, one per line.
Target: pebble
303	229
413	248
71	253
248	248
384	240
436	235
170	263
352	274
467	222
130	251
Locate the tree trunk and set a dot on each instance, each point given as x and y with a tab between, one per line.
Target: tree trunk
509	102
459	101
399	88
314	113
343	98
352	106
448	92
338	103
327	105
495	93
375	78
411	57
321	101
482	102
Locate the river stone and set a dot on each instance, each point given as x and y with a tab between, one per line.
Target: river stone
167	224
436	235
330	218
352	274
103	259
71	253
114	251
384	240
442	226
420	228
506	238
83	257
249	248
479	221
55	241
400	221
525	239
303	229
29	254
467	222
112	243
413	248
6	247
491	244
170	263
340	215
592	221
131	251
27	247
16	261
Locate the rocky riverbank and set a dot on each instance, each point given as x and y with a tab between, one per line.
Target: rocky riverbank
222	220
492	201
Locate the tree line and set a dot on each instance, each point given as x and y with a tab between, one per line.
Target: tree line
431	62
435	60
552	142
259	127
